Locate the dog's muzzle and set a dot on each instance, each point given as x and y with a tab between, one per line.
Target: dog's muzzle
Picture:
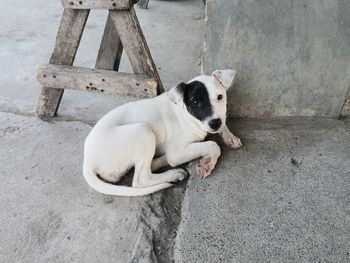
215	124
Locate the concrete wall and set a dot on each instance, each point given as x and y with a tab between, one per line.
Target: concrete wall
292	57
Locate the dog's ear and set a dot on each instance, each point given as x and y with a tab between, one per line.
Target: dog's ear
175	94
225	77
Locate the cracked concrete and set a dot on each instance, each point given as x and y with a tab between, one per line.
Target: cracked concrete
284	197
50	215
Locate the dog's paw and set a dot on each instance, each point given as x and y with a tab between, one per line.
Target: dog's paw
179	175
233	142
204	167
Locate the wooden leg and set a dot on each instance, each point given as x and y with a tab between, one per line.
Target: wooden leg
111	48
135	45
67	41
143	4
345	112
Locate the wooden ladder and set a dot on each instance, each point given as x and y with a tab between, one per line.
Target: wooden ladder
122	31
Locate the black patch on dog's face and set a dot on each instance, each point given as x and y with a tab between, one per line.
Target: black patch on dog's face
196	99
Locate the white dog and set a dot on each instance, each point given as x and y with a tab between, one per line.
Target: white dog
153	133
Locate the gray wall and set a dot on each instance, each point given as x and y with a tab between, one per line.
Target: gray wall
292	57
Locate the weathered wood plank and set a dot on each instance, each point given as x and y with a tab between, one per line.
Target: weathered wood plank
345	112
67	42
97	4
135	45
111	48
97	80
143	4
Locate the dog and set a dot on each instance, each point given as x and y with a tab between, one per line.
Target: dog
153	133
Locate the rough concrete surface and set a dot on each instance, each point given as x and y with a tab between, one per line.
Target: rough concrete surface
27	36
284	197
49	214
292	57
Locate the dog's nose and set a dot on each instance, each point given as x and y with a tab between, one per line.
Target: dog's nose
215	124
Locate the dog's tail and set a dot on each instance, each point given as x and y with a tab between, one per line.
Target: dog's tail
111	189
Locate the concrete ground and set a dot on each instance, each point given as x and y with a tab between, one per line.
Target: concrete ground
284	197
49	214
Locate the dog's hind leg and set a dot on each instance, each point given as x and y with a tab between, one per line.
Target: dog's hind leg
112	178
143	177
144	150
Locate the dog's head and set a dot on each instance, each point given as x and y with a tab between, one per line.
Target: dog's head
204	98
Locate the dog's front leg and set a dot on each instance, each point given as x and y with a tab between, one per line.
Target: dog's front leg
209	151
229	138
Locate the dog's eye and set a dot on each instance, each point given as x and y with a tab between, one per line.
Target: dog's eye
194	101
220	97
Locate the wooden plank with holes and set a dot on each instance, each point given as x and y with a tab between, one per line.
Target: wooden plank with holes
135	45
97	4
111	48
96	80
67	42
